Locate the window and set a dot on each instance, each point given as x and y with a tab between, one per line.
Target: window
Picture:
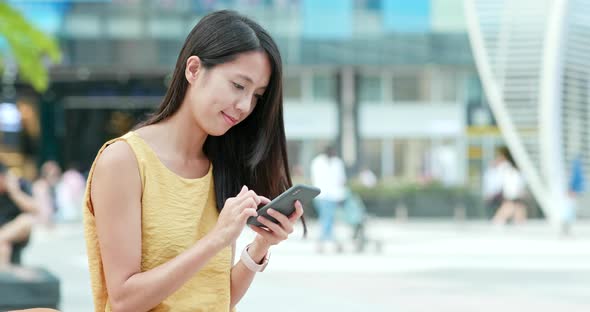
447	80
92	52
292	87
324	87
369	5
411	158
370	89
399	151
372	155
411	86
167	50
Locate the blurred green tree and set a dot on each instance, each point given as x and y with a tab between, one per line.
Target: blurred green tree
29	46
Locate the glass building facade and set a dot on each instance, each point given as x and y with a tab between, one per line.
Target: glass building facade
390	82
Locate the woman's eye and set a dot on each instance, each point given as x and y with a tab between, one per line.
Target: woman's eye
238	86
258	96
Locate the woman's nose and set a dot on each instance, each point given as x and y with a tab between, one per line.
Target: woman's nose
244	104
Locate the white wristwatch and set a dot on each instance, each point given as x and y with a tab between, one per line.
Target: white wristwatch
251	264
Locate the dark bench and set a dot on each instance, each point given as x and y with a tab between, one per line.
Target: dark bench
16	293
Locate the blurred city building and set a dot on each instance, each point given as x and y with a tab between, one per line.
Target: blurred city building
389	81
393	83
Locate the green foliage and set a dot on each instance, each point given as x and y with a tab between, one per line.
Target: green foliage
29	46
429	200
397	189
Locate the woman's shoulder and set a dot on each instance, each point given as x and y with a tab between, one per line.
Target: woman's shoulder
118	157
116	152
115	175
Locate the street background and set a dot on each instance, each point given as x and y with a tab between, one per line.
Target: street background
424	266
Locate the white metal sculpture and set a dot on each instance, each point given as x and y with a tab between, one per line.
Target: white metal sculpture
525	52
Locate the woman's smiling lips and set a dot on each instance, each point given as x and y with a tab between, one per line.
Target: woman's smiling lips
230	120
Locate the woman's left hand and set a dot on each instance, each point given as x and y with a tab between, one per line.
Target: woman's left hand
276	233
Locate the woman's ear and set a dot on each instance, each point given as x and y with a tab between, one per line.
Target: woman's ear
193	66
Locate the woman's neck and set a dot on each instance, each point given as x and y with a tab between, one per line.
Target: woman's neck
182	135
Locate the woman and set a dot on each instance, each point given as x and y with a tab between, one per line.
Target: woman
165	203
513	191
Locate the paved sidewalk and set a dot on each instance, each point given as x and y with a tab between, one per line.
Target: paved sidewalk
423	266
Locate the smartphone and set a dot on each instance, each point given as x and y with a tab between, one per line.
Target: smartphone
285	203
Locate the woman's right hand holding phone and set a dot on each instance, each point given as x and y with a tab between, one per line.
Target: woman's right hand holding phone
235	213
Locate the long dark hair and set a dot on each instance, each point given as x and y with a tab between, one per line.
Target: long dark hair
254	152
504	151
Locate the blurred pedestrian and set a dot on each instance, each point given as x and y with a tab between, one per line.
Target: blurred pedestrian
367	178
17	215
576	187
70	194
513	191
492	183
45	192
329	174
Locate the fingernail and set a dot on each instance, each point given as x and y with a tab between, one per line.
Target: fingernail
271	211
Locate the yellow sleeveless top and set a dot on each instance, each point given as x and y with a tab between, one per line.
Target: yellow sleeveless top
176	213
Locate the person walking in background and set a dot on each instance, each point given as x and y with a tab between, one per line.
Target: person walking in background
70	194
367	177
45	192
329	174
576	186
492	184
513	191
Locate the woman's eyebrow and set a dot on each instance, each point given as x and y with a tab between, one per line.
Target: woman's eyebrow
249	80
246	78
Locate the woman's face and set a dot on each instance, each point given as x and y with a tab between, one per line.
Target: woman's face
226	94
